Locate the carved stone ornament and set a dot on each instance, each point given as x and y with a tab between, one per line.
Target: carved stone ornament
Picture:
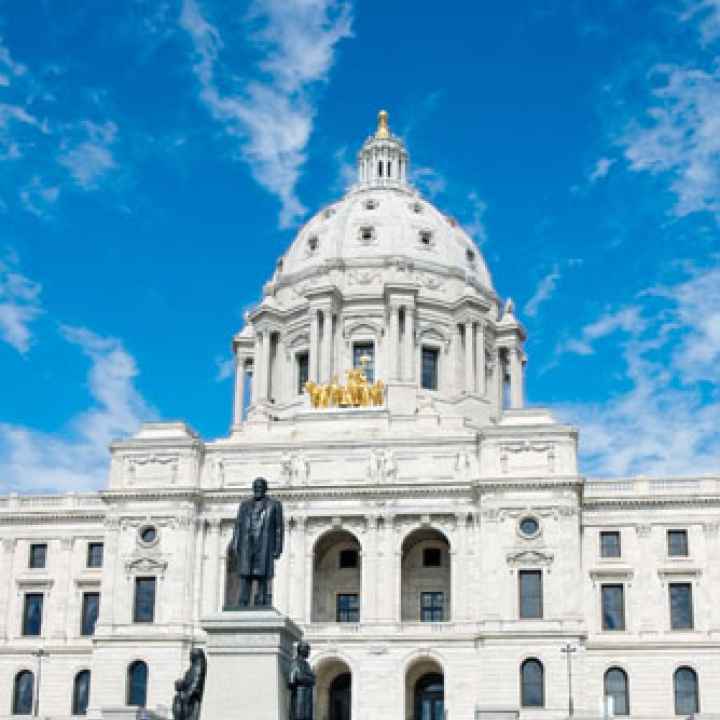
145	565
527	447
530	558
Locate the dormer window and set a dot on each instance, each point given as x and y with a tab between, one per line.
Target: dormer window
426	238
367	234
371	204
313	243
470	255
416	207
329	212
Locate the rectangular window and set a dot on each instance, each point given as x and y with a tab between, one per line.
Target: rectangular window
365	349
610	544
677	543
432	607
32	614
430	368
303	371
348	608
38	555
348	559
144	609
90	608
95	554
681	606
531	605
613	607
432	557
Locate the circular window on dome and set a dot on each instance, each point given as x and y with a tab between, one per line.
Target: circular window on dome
416	207
148	535
529	527
426	238
371	204
329	212
470	255
367	235
313	243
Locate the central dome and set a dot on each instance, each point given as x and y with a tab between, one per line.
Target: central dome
381	217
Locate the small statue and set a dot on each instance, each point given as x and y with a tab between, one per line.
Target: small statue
301	683
190	687
256	543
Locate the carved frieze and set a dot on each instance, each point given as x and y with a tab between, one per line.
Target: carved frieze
529	558
145	565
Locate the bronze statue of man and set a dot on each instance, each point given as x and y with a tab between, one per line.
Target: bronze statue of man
256	543
190	687
301	683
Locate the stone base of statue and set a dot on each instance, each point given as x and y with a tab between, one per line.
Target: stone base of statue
248	661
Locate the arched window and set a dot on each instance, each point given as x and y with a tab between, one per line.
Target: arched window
137	683
532	684
23	693
616	687
686	691
81	693
430	697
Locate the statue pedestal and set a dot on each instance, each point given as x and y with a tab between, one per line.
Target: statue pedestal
248	655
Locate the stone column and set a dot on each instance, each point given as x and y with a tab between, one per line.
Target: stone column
326	362
296	603
313	360
267	365
6	589
199	569
480	358
257	369
211	558
469	370
516	379
64	598
239	389
409	349
393	343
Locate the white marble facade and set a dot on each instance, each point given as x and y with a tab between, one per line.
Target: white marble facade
423	499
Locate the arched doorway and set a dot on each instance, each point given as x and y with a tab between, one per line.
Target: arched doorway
430	697
333	690
425	690
425	577
337	578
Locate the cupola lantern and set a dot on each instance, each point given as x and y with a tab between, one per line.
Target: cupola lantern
383	160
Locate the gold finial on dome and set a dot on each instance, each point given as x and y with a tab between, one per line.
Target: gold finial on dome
383	131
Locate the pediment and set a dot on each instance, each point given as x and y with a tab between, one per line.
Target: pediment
530	558
145	565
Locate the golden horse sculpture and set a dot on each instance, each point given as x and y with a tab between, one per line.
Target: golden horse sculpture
357	392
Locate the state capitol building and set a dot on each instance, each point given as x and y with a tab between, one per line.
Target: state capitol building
443	555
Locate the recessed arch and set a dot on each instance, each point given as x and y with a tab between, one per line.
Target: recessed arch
23	693
333	689
337	577
616	687
425	576
137	682
424	688
81	692
686	691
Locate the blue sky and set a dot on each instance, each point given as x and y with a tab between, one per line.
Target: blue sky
158	155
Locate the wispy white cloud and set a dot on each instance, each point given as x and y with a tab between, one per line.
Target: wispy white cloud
90	157
707	15
428	180
628	319
473	217
601	169
271	116
224	368
544	291
34	461
19	305
37	198
668	421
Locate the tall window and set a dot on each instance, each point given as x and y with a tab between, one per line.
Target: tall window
23	690
95	554
530	588
38	555
685	685
144	609
610	544
367	349
532	684
348	608
616	687
677	542
613	607
303	371
137	684
90	608
432	607
681	606
430	368
32	614
81	693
